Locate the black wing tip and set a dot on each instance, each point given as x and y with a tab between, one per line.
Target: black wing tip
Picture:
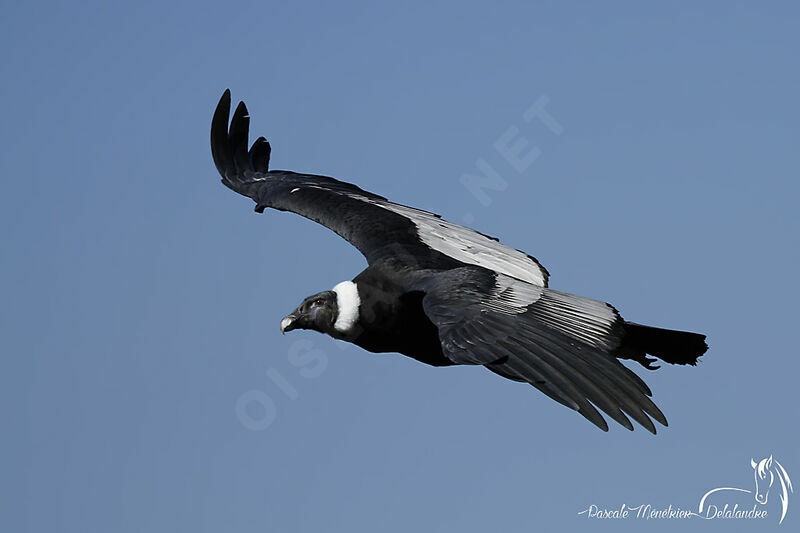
259	155
219	134
229	144
238	138
601	423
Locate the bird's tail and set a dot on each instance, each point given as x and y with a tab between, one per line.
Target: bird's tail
674	347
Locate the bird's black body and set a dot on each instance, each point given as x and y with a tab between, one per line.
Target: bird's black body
447	295
393	319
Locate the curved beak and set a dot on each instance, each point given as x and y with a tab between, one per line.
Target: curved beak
287	324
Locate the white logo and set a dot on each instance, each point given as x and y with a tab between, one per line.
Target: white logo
765	471
769	475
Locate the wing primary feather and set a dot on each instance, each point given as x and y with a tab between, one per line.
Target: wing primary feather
633	401
619	377
237	137
259	155
540	379
220	149
582	383
610	394
612	399
567	375
553	374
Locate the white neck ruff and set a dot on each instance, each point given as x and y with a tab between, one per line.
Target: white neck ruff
347	301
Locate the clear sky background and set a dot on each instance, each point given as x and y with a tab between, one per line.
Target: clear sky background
141	299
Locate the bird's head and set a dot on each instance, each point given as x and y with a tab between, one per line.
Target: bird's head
334	312
317	312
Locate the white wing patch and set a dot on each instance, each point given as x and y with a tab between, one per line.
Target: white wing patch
590	321
469	246
584	319
464	244
512	296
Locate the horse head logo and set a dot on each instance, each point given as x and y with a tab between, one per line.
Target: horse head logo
764	478
765	472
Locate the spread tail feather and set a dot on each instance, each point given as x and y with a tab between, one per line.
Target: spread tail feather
674	347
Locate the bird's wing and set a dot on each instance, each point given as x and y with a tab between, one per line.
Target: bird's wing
380	229
560	343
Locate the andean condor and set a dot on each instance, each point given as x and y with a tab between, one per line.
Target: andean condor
446	295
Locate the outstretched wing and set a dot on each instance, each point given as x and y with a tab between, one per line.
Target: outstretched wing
379	228
560	343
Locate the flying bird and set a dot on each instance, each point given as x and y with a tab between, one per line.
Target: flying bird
445	294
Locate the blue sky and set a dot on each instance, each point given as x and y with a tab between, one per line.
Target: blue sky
142	299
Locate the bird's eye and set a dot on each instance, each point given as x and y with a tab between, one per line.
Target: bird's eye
319	302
